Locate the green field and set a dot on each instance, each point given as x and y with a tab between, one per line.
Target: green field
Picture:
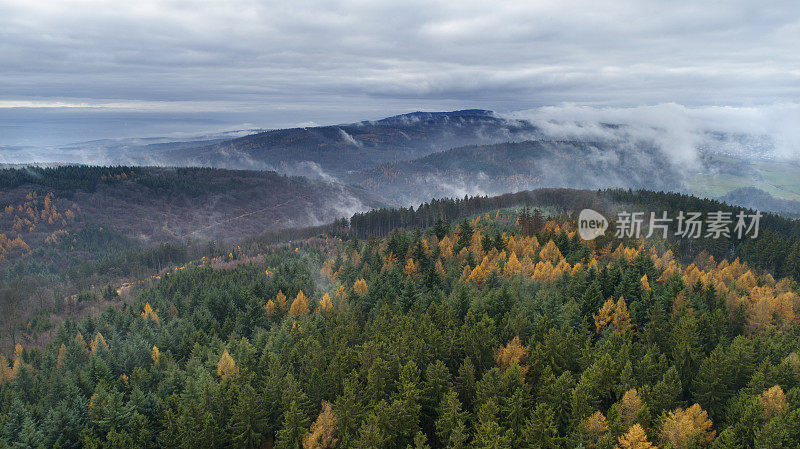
779	179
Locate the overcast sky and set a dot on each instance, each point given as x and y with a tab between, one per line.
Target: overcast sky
72	70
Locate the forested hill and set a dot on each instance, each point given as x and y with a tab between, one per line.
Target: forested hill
777	250
341	148
510	167
501	331
74	229
162	204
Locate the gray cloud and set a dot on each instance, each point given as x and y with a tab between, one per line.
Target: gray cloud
270	64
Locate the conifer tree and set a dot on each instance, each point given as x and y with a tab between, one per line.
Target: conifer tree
325	304
635	438
683	426
291	433
226	368
322	434
299	305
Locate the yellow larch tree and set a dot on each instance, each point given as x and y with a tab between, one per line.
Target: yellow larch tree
299	305
465	273
645	283
411	268
149	313
322	434
635	438
551	253
280	301
360	287
685	425
604	316
774	402
614	314
155	354
622	319
226	368
446	247
747	281
543	271
389	262
527	265
325	303
270	308
630	405
477	275
512	266
440	269
513	352
594	428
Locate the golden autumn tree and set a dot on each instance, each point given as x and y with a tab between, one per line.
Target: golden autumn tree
747	281
389	262
621	319
513	265
226	368
773	400
270	308
630	405
645	283
411	268
513	352
635	438
605	315
322	434
325	303
280	301
446	247
613	314
543	272
299	305
360	287
550	253
594	428
149	313
155	354
682	426
477	275
98	343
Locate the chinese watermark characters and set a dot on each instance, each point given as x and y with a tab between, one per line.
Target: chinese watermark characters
687	225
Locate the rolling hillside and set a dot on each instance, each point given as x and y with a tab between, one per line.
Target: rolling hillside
509	167
342	148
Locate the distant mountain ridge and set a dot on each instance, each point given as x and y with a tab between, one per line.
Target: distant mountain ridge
409	158
339	149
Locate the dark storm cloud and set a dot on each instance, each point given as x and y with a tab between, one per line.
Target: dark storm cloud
344	60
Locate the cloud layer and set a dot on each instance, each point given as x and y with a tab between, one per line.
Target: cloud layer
274	64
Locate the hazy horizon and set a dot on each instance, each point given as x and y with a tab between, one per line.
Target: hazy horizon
91	70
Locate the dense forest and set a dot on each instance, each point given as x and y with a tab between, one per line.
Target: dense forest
497	329
68	229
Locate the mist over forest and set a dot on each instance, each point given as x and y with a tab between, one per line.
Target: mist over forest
334	224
